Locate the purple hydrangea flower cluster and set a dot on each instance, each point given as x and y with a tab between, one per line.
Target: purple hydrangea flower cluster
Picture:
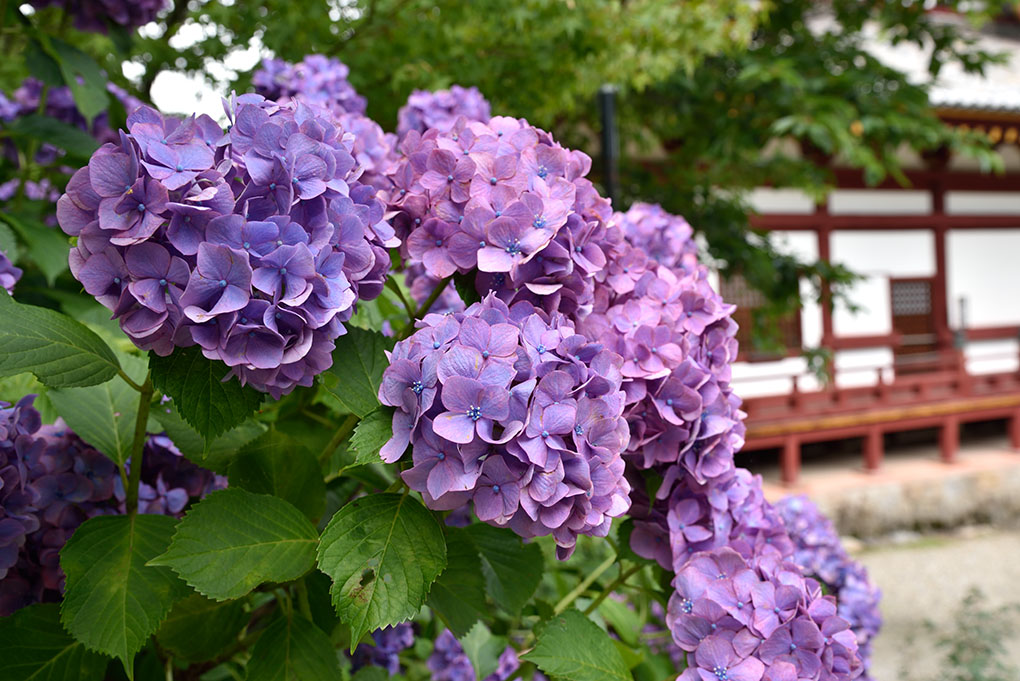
757	619
510	409
820	554
689	517
389	642
677	340
94	15
449	662
51	482
504	203
441	109
322	81
255	244
9	274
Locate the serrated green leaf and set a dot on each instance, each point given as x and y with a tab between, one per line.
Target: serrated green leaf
216	454
104	415
512	569
382	552
83	75
371	433
9	243
113	601
207	402
61	352
198	629
572	647
35	647
276	464
234	540
358	363
293	650
458	595
76	142
45	246
483	649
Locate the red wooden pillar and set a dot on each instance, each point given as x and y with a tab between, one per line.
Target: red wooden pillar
790	460
1014	431
873	450
949	438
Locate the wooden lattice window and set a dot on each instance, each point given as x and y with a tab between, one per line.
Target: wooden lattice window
737	291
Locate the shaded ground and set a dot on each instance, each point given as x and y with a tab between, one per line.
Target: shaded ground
927	579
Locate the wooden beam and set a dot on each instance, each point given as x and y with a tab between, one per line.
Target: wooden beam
776	221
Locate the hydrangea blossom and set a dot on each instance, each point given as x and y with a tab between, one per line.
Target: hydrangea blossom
255	244
676	336
9	274
441	109
322	81
503	203
748	619
820	554
449	662
509	409
385	652
51	482
96	15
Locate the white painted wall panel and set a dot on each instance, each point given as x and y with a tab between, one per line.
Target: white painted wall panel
873	316
757	379
982	266
803	245
992	356
791	201
893	253
982	203
880	202
855	368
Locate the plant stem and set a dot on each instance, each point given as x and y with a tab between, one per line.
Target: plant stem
302	598
127	379
565	602
343	431
425	307
392	285
138	444
169	669
613	586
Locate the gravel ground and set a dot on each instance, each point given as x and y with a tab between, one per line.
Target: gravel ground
926	578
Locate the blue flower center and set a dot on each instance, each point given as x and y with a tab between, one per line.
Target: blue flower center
441	456
485	354
793	646
179	167
283	271
295	180
474	413
541	349
721	673
244	320
539	222
435	345
579	430
223	283
514	247
417	387
655	350
449	178
499	213
492	180
542	172
162	282
669	402
687	606
116	280
439	242
272	186
740	604
495	488
247	244
545	433
141	207
187	218
690	314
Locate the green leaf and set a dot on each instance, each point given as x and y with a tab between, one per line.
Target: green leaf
358	363
41	65
207	402
113	601
216	454
371	433
625	621
199	629
76	142
276	464
293	650
371	674
83	75
458	595
382	552
9	243
512	569
465	285
104	415
35	647
483	649
60	352
573	648
233	540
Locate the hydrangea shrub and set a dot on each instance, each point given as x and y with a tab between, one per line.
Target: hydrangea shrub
514	461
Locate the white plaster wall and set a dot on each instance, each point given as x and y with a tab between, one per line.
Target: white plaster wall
855	368
788	201
982	266
880	202
803	245
982	203
872	316
992	356
757	379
